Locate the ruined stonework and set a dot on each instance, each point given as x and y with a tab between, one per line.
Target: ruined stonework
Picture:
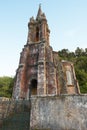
40	67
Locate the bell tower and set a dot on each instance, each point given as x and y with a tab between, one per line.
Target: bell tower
38	28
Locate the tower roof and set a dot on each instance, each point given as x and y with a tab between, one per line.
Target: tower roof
39	11
40	14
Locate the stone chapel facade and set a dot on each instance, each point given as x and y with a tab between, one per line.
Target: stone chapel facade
40	67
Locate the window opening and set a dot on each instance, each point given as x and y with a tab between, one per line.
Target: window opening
33	87
37	34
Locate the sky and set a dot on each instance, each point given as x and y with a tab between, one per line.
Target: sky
67	20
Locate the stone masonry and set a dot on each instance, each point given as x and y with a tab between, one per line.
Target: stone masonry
64	112
40	67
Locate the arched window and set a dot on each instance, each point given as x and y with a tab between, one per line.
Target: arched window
33	87
37	34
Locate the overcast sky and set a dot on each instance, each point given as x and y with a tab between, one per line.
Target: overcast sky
67	20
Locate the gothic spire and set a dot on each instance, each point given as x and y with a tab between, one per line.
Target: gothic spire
39	12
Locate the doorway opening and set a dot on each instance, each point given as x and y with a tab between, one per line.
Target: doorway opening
33	87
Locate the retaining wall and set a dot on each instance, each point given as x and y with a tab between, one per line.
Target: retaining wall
59	113
51	112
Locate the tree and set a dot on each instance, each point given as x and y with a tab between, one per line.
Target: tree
6	86
79	52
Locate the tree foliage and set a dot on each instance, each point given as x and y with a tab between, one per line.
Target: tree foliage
6	86
79	58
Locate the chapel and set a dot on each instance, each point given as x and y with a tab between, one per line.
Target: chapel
40	69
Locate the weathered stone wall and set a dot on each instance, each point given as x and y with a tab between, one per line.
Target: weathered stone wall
51	113
3	108
14	112
59	113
